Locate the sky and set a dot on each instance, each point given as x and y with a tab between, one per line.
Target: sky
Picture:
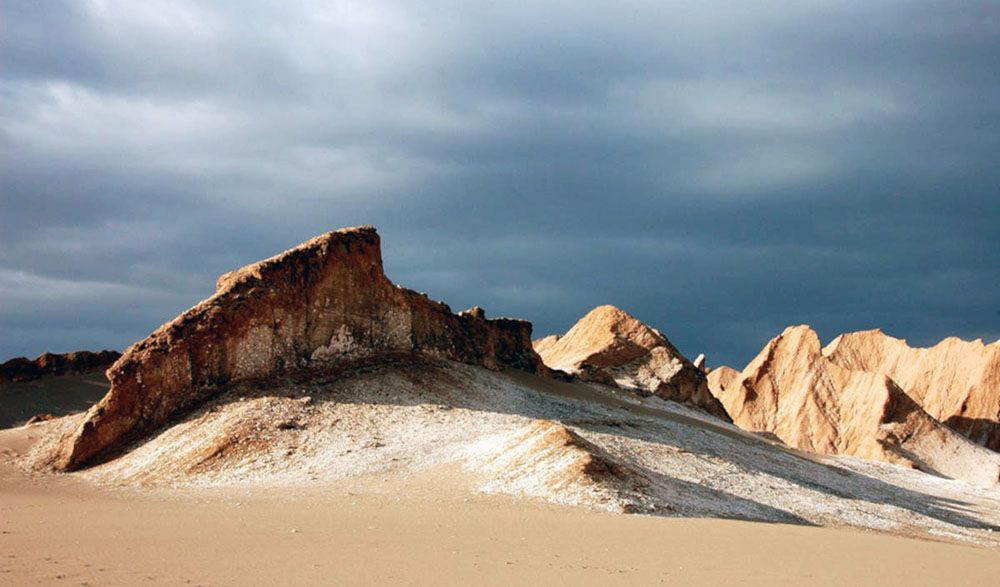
719	169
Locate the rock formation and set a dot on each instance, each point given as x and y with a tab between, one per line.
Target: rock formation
810	401
720	381
324	305
543	345
610	346
24	369
956	381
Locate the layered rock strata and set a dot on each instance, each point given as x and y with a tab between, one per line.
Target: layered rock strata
325	304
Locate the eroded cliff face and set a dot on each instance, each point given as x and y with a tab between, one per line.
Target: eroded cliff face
809	401
610	346
323	305
956	381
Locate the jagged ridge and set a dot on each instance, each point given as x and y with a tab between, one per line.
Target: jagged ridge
325	304
955	381
610	346
809	401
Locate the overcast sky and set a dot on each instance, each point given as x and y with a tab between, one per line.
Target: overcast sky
719	169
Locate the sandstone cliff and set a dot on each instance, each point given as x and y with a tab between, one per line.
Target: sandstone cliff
323	305
610	346
956	381
24	369
809	401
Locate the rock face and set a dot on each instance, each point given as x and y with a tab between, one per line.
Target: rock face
543	345
324	305
24	369
610	346
809	401
956	381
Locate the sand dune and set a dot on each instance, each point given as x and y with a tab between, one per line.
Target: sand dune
367	477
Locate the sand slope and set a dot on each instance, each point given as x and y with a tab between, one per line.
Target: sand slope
424	531
523	435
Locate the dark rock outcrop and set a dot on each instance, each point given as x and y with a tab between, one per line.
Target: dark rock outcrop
23	369
323	305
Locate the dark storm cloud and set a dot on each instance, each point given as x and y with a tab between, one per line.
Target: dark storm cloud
720	170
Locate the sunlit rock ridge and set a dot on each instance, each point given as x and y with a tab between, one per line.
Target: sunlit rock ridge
322	305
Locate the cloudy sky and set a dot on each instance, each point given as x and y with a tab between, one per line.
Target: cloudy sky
719	169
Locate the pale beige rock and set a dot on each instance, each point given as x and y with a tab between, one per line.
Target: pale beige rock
793	391
956	381
721	379
610	346
544	344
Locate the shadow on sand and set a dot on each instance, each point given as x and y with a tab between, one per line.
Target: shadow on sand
587	407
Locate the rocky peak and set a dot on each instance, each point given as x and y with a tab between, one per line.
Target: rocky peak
323	305
607	336
955	381
794	391
610	346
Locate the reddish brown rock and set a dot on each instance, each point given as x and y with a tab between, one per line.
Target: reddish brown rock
609	346
324	304
24	369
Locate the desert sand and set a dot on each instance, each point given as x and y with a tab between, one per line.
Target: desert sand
400	487
421	531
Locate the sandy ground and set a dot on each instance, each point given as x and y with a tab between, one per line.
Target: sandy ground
433	475
422	532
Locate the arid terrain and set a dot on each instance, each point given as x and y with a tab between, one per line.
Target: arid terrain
389	469
314	423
